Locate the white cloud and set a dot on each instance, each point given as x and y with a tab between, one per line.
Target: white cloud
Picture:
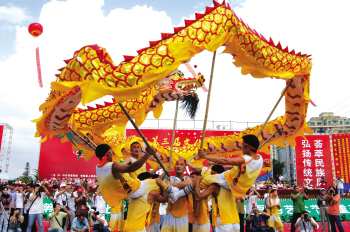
68	26
14	15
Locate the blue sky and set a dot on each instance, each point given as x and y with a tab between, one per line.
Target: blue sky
123	27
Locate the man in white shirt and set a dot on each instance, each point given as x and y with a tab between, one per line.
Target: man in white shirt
70	205
305	223
36	209
340	185
252	199
20	198
60	196
98	202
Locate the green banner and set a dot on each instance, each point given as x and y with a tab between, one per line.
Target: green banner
286	210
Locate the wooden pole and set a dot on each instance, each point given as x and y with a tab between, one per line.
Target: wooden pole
143	137
82	139
208	101
173	138
274	108
269	138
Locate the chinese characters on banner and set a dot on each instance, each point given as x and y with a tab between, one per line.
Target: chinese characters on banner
341	155
313	160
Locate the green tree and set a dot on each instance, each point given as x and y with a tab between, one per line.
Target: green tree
277	167
36	174
25	178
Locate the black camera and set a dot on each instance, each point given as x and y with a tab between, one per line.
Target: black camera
331	191
306	215
96	213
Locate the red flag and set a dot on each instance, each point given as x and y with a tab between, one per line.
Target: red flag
39	68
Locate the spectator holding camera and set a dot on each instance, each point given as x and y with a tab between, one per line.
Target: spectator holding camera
298	198
13	194
306	223
98	221
81	224
60	196
56	218
81	201
20	198
70	206
340	185
333	210
6	200
258	220
16	221
98	202
36	208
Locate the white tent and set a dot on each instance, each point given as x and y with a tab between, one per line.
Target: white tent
6	176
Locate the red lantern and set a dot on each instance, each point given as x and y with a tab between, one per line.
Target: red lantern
35	29
195	66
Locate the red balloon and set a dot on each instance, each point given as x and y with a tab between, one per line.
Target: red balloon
35	29
195	66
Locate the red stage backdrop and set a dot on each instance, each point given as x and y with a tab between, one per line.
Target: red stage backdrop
313	159
341	155
58	159
1	132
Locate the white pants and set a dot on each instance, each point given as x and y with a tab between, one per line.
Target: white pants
228	227
173	224
115	220
201	228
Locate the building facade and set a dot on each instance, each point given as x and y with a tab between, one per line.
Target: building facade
329	119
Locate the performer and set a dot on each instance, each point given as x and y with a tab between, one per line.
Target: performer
116	221
224	211
139	217
273	205
200	215
136	152
239	179
115	181
176	219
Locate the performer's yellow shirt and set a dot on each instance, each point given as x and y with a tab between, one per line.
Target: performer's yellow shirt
112	189
139	215
200	212
182	206
135	174
274	210
206	171
226	203
155	213
119	207
240	182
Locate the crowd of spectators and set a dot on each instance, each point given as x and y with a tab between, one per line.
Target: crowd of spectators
21	206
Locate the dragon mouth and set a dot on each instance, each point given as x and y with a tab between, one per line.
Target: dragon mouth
191	84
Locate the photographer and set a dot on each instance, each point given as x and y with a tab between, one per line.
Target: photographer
98	202
81	224
323	205
56	218
81	201
333	209
36	209
70	207
340	185
306	223
298	198
60	196
258	220
6	201
20	198
16	221
98	222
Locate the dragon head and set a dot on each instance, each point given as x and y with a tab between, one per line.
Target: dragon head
178	87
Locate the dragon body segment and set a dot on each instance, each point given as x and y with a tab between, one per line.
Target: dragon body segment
91	74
